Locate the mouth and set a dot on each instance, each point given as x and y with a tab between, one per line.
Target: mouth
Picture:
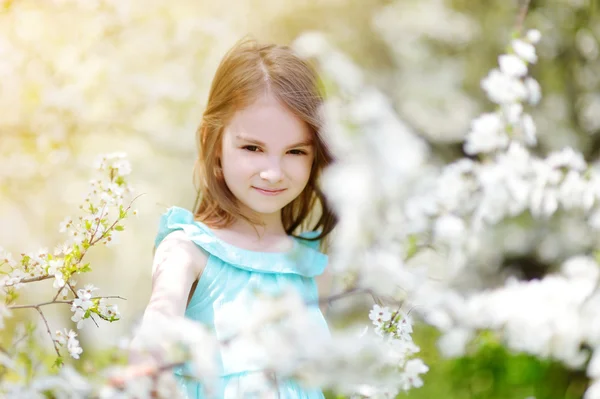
268	192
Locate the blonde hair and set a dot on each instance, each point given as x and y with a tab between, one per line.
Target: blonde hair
246	71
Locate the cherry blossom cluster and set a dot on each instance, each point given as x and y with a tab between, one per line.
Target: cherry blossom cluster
103	213
69	338
396	327
435	237
508	86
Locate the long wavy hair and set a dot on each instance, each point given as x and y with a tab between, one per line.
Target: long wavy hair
248	70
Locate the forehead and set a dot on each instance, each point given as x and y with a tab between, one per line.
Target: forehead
269	121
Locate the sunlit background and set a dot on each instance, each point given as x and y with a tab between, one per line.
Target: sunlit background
83	77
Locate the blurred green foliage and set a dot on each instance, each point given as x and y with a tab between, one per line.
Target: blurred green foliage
490	372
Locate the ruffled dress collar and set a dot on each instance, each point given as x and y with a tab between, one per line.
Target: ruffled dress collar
303	259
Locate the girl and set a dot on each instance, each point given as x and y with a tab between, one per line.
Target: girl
260	157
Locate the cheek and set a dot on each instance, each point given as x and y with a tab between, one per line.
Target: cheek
301	168
237	164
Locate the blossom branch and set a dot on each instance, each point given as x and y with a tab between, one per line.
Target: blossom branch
57	294
349	292
67	259
99	221
140	370
522	14
36	306
48	329
65	302
35	279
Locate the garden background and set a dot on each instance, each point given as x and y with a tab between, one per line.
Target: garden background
80	78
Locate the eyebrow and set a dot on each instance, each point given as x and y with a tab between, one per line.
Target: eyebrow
307	143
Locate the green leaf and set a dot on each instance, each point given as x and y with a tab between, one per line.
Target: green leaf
412	246
119	228
58	363
85	268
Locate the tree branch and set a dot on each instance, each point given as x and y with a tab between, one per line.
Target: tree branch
521	14
37	306
34	279
48	329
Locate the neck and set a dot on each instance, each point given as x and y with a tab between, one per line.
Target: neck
271	226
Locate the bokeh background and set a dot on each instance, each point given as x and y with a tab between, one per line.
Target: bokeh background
83	77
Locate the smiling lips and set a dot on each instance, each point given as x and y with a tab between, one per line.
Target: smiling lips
268	192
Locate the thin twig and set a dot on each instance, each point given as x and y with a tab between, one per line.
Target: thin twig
55	301
57	294
109	297
18	341
73	290
115	222
34	279
37	305
140	370
98	224
521	14
48	329
94	320
353	291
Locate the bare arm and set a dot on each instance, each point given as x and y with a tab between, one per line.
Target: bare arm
324	286
178	263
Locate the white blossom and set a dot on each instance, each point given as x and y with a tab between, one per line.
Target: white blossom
566	158
576	192
379	314
529	130
524	50
413	369
533	35
59	280
593	391
65	224
54	265
122	166
512	66
534	91
14	278
513	112
73	345
449	228
502	88
487	134
78	317
593	368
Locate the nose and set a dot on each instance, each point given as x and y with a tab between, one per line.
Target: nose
272	173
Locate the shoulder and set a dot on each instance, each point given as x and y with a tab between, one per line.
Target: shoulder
179	249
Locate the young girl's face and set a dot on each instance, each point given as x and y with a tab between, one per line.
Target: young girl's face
267	155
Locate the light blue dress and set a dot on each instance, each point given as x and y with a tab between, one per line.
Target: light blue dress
231	271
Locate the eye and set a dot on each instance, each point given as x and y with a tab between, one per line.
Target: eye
297	152
251	148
